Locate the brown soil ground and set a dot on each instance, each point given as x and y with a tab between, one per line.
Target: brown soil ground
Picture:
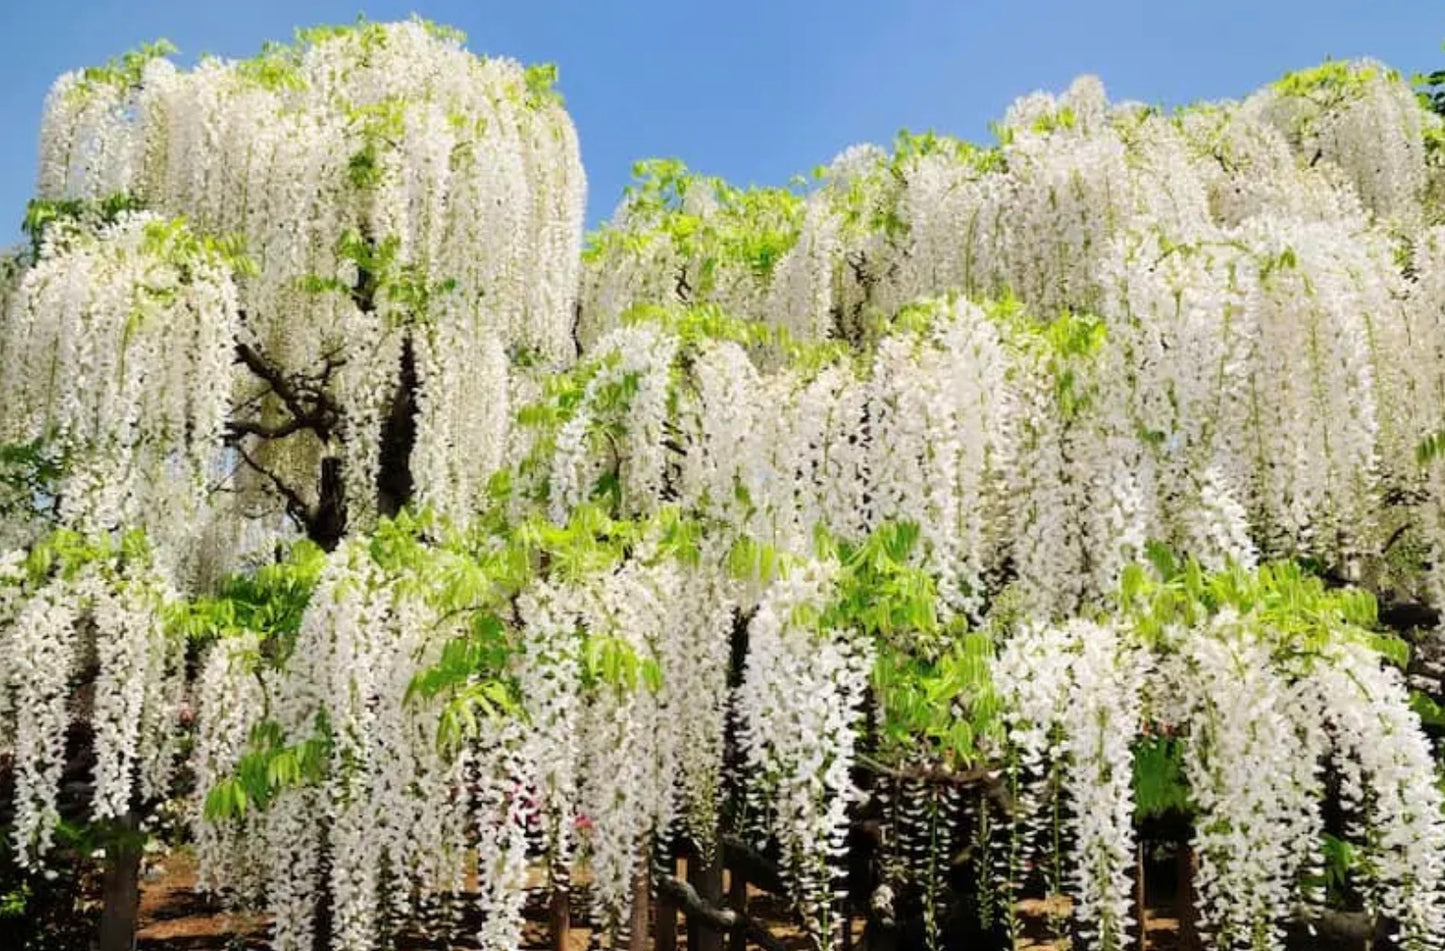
174	917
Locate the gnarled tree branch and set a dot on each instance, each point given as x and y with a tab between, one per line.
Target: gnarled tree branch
722	919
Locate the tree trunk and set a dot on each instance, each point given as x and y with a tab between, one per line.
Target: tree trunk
641	905
394	482
121	890
559	914
705	876
329	524
1184	903
1141	910
664	925
738	900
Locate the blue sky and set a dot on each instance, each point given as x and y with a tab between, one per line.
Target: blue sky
751	90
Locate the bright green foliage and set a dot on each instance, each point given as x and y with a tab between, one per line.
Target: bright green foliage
1287	605
541	80
274	68
1341	857
908	146
64	552
609	662
1061	119
706	220
1330	83
123	71
384	277
1430	87
169	239
931	681
942	709
1431	447
867	198
700	324
173	240
268	601
1430	713
1328	88
43	214
475	576
1292	606
606	404
1067	347
481	575
269	766
1159	785
880	594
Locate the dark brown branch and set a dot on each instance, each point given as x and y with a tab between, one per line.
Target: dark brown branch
394	482
753	865
1395	536
277	380
237	428
1399	616
577	327
296	506
304	396
991	782
682	288
1330	928
1405	616
721	919
692	904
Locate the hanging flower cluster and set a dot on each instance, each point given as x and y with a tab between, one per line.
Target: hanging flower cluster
774	439
799	703
1073	696
1267	682
86	643
421	205
430	698
379	798
108	333
1039	214
1244	366
1253	773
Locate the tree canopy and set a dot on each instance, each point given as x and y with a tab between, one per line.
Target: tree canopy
355	500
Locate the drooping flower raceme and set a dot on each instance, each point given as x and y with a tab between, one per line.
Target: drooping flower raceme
1074	695
799	702
97	617
120	345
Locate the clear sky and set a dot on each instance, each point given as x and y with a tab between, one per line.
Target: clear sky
753	90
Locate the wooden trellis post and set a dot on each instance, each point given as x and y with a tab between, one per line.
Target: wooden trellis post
1184	903
738	901
1141	909
641	906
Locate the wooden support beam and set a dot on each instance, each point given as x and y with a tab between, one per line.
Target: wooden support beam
641	905
1189	939
664	925
759	870
559	913
738	902
1141	908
